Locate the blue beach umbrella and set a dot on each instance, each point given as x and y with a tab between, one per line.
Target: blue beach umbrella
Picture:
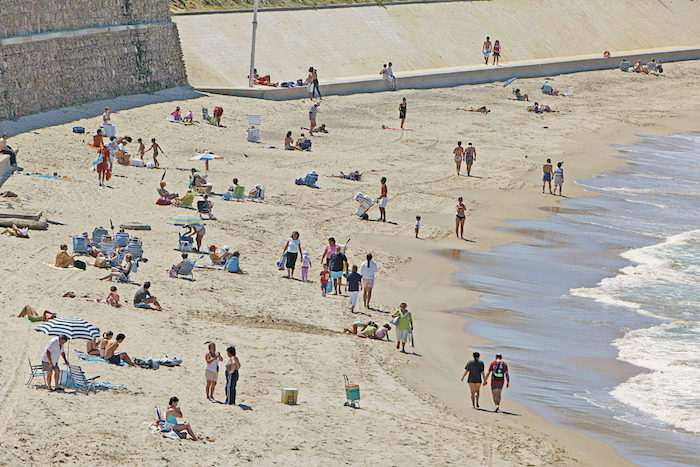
74	328
509	82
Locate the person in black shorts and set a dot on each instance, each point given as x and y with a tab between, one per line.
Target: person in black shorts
475	370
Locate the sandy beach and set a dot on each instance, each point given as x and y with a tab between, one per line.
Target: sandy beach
414	408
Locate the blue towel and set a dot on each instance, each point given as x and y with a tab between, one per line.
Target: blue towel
107	385
95	358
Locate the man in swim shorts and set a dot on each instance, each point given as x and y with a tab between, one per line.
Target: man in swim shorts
312	117
475	370
558	177
499	370
469	158
547	175
116	358
338	263
486	49
382	201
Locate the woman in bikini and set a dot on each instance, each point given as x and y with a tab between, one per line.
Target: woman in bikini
402	111
289	143
496	52
461	208
459	155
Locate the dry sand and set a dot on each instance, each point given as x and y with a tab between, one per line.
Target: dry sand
287	335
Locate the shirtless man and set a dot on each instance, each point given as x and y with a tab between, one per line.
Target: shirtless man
459	155
110	352
312	117
382	201
63	259
461	216
469	158
547	175
487	50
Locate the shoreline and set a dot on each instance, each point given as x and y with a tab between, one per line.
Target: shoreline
282	327
580	444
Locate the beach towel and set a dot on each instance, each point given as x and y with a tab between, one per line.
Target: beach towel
107	385
384	127
94	358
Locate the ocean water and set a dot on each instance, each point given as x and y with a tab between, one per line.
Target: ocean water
598	310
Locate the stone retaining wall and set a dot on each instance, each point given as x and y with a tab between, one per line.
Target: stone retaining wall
69	52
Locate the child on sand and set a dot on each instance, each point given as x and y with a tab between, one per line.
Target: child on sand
325	275
176	114
417	225
142	148
305	264
188	118
113	297
156	150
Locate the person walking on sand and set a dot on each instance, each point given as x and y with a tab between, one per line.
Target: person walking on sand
382	201
558	177
354	286
461	217
339	262
402	111
459	155
49	359
547	175
367	270
404	326
469	158
496	51
232	367
292	249
475	370
211	371
498	370
155	147
486	49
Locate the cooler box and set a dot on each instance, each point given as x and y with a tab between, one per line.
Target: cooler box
365	203
136	162
289	395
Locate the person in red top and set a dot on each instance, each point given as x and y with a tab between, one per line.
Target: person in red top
498	370
496	52
325	275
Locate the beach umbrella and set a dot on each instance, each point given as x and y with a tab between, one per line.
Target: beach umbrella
185	221
74	328
509	82
206	157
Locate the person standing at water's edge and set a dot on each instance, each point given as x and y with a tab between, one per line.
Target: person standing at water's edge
486	49
461	217
404	326
402	111
211	372
499	370
558	177
382	201
547	175
475	370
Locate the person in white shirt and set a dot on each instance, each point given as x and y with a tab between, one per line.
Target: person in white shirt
392	78
292	249
49	359
367	270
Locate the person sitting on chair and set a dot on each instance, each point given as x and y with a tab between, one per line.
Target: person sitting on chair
205	207
121	272
519	96
176	267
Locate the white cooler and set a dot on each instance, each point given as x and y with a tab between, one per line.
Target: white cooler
365	203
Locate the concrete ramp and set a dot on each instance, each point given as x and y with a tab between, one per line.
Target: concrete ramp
355	41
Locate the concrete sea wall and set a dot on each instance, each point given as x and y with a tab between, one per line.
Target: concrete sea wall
68	52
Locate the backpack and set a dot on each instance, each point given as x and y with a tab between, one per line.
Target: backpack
499	372
306	144
78	129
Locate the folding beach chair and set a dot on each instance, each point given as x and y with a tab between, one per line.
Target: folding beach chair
239	193
98	234
107	247
216	262
135	249
35	372
121	239
185	243
80	245
118	260
81	382
186	269
126	279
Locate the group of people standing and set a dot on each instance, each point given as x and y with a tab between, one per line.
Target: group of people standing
468	155
489	48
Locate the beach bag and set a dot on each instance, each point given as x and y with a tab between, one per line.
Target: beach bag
282	263
78	129
306	144
162	202
79	264
300	82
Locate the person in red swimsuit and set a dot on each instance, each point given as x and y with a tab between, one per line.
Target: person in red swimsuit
498	370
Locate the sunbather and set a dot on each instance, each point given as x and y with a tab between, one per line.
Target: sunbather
538	109
289	143
639	68
165	194
200	182
63	259
233	187
92	346
172	413
176	267
303	143
357	176
32	315
224	253
144	299
547	88
120	271
186	200
262	80
256	192
519	96
205	207
102	345
15	231
321	129
111	354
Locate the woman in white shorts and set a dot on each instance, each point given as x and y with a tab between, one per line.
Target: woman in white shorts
367	271
211	372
